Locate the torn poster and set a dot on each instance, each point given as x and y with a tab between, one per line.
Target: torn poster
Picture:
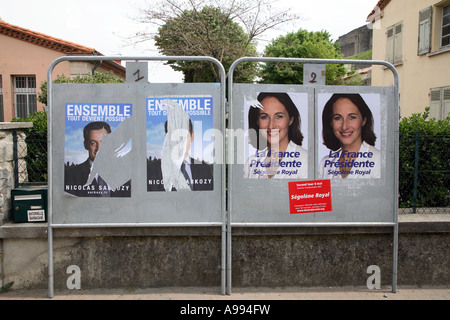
179	156
97	149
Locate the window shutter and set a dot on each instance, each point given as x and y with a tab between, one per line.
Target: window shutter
446	103
445	29
390	45
435	104
398	43
425	20
440	103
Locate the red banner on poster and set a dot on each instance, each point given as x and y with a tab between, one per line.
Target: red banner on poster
310	196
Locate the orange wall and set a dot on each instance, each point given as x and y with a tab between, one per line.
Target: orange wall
19	57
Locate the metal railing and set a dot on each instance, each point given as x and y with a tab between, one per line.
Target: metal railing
424	171
30	159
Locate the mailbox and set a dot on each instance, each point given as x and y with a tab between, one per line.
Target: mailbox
29	204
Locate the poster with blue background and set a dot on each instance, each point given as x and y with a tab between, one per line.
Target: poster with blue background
97	142
180	125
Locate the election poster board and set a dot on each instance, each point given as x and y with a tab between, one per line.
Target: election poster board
259	173
343	176
129	131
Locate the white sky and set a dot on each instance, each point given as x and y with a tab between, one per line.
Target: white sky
103	24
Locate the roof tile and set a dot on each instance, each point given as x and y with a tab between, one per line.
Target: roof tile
44	40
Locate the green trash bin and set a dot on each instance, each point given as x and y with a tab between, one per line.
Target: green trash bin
29	204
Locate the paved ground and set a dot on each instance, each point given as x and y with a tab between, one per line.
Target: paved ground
344	293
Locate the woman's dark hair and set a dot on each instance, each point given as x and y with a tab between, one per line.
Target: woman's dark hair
329	138
294	133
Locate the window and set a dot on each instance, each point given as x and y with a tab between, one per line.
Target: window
440	103
25	95
425	23
445	33
1	101
394	44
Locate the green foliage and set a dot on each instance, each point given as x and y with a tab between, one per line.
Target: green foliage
8	285
39	120
301	44
354	79
36	140
98	77
421	122
366	55
432	139
206	32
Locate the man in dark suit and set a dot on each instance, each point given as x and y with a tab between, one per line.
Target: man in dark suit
198	174
75	177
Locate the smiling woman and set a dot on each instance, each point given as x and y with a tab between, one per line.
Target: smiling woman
347	122
274	130
274	121
347	129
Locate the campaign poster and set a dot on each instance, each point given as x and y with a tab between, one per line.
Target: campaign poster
97	149
276	126
310	196
349	136
180	143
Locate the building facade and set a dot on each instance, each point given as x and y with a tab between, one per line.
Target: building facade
356	41
25	57
414	35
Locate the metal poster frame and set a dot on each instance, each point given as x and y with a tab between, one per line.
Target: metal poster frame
393	224
222	112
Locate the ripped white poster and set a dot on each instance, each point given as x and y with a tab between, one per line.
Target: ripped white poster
179	156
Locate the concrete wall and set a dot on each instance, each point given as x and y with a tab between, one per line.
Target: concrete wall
356	41
261	257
